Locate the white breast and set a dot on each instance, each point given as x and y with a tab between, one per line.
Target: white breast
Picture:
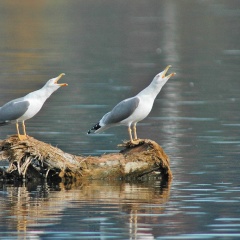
141	112
34	108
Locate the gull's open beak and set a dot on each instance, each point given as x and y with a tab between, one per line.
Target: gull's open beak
165	71
58	78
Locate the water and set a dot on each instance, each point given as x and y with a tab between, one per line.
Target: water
110	50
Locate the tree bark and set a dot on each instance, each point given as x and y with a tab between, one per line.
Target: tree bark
31	159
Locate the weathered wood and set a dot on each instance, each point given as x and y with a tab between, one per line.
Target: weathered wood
31	159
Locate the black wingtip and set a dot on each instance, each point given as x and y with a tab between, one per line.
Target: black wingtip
94	128
4	123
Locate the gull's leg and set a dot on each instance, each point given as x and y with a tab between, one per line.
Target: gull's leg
20	137
133	141
24	128
17	130
135	131
130	134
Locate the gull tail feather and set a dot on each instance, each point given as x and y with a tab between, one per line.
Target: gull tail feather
94	128
4	123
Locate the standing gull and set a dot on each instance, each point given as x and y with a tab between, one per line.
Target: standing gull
132	110
24	108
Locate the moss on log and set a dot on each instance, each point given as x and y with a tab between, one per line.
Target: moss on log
31	159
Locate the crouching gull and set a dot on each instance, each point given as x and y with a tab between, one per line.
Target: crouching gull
24	108
132	110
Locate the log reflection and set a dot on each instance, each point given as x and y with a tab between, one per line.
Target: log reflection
32	207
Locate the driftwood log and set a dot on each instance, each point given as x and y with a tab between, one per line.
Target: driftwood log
32	159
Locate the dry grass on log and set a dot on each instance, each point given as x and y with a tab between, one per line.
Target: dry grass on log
32	158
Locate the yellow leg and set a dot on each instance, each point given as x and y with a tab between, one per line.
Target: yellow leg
21	137
135	141
130	134
17	130
24	128
135	131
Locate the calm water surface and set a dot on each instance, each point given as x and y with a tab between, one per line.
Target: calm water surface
111	50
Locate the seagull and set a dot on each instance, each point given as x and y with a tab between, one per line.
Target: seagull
132	110
24	108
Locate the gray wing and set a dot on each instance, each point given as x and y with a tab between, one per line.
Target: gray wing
121	111
13	110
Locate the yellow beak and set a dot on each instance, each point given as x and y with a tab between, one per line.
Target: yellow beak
165	71
58	78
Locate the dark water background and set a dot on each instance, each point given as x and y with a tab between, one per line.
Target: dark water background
111	50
